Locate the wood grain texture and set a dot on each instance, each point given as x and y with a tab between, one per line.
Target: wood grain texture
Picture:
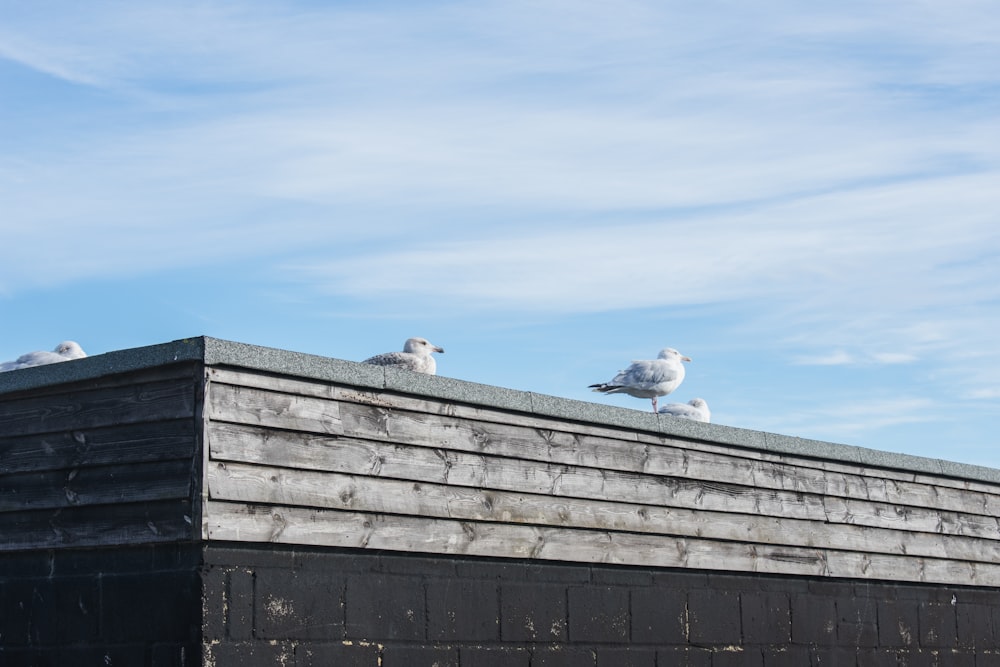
247	405
159	456
101	485
314	463
303	488
142	402
110	461
390	400
138	442
439	465
362	530
532	438
98	525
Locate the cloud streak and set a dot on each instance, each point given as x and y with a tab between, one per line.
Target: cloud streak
837	242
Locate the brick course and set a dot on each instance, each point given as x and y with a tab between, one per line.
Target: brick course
267	605
122	606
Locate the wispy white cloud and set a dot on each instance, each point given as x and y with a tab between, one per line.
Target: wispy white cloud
985	393
523	116
845	420
176	177
893	357
835	358
52	59
845	358
845	249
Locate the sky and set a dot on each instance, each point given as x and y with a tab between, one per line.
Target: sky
804	198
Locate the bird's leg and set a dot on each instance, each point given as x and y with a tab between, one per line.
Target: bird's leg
654	404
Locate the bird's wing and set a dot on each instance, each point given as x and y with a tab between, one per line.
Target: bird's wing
37	359
397	359
680	410
646	373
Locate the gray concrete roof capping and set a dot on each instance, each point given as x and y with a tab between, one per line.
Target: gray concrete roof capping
217	352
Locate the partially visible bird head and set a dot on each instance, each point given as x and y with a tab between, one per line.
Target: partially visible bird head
421	346
70	349
671	353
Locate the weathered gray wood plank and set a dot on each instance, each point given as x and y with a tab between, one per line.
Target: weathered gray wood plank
294	525
550	444
389	400
600	453
282	486
247	405
444	466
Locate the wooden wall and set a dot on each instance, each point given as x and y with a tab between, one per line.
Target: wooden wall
107	461
296	461
314	451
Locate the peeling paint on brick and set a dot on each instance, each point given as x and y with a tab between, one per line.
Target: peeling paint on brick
905	633
279	608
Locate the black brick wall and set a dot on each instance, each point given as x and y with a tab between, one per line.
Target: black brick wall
107	607
255	605
324	607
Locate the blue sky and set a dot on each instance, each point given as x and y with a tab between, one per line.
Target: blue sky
802	197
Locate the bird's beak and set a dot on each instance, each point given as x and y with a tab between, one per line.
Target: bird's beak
685	358
439	349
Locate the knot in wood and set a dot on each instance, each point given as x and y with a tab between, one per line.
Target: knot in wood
469	530
480	438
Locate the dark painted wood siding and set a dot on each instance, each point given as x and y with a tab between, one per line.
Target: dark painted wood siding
109	461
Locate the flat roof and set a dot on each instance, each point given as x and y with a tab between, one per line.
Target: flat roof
218	352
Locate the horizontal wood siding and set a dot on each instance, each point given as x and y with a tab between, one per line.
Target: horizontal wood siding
112	461
306	462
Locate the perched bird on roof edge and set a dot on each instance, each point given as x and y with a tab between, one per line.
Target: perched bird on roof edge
648	378
416	356
65	351
696	410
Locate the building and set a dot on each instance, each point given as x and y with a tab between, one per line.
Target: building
204	502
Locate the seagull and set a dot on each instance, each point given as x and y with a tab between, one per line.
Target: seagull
416	356
64	351
696	410
648	379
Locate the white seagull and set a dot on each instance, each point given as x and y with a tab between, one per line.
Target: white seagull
696	410
649	378
416	356
64	351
